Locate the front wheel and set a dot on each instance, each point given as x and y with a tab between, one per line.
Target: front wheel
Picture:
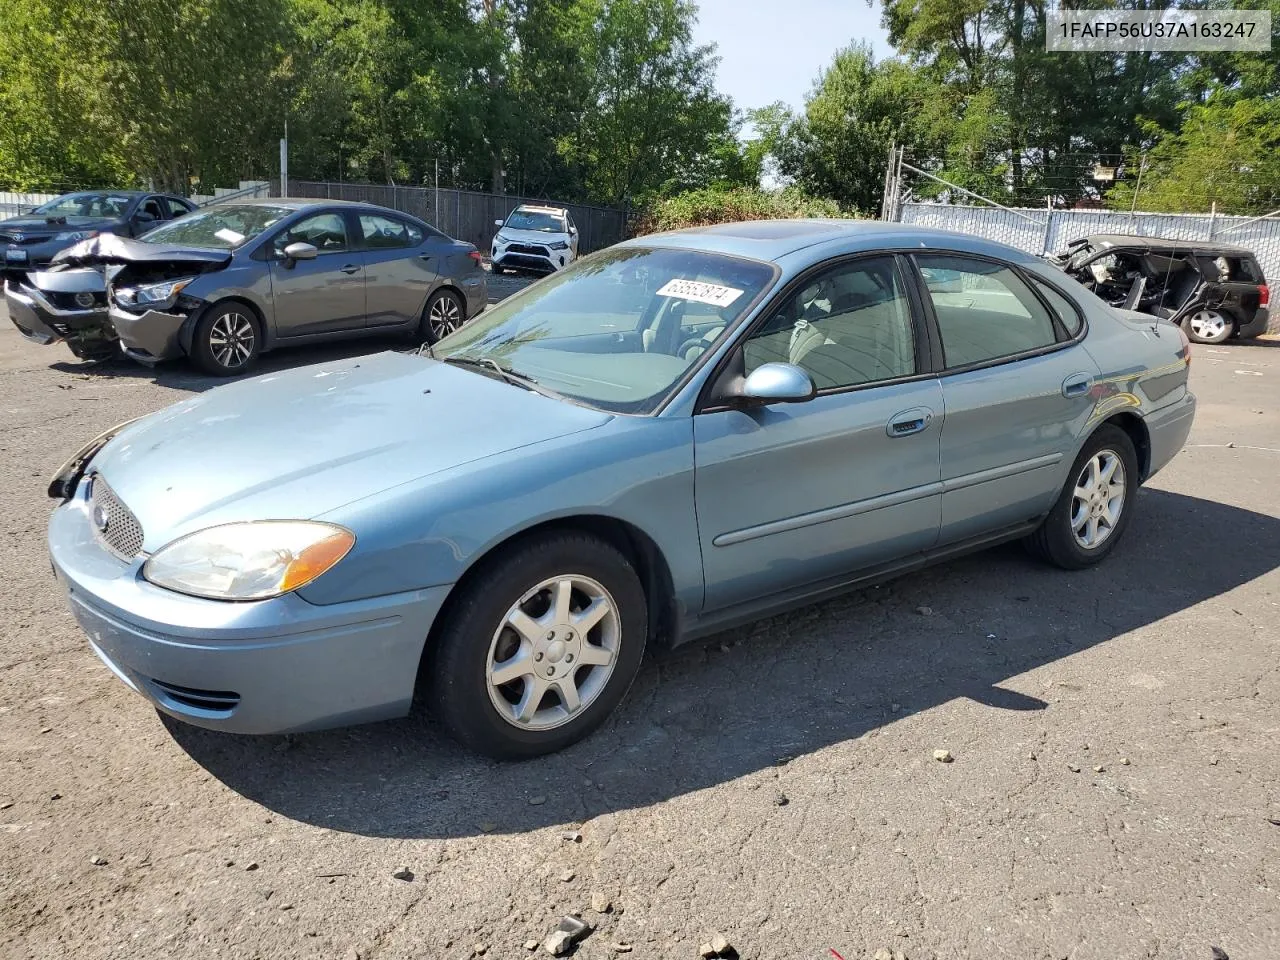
442	315
539	647
1208	326
227	340
1094	507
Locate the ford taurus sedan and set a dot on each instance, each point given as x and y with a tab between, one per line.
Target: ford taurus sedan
231	281
668	438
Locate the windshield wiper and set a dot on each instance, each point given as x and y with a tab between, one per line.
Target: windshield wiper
506	373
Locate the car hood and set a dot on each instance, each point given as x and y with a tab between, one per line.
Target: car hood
51	225
303	442
112	249
531	236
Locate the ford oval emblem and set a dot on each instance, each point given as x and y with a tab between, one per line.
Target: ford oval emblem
100	518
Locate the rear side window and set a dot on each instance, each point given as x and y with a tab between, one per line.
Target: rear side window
382	233
1067	311
985	311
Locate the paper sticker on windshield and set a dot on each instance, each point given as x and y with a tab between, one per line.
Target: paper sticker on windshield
699	292
229	235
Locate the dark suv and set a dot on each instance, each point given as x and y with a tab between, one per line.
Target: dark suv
1213	290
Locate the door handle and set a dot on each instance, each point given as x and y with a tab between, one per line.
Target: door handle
350	268
1077	385
907	422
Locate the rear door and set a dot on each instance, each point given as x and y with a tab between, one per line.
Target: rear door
323	295
402	263
1017	387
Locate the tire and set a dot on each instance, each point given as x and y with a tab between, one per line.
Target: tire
443	314
1209	326
460	674
1062	539
227	341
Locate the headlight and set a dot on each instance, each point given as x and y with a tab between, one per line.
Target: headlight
249	561
75	235
152	294
559	245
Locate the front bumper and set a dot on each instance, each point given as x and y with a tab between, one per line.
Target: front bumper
553	261
41	322
149	336
270	666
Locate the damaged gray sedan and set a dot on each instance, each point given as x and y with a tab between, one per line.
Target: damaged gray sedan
230	282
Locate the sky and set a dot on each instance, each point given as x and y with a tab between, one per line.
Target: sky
773	51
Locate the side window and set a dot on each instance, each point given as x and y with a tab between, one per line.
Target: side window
1067	311
384	233
327	232
848	326
151	207
984	310
176	207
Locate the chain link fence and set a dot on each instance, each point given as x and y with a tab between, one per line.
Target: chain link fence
465	214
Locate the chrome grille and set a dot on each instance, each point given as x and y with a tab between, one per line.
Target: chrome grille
114	523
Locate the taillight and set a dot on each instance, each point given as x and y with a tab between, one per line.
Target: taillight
1185	352
1264	295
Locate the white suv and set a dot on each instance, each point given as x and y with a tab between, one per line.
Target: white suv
535	238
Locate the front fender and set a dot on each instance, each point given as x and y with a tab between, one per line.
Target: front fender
432	531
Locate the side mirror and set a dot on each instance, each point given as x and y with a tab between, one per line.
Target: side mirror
777	383
300	251
498	223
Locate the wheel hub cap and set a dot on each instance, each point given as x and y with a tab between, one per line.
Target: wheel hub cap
1098	499
553	653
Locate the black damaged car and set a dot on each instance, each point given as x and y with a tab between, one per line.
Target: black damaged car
1214	291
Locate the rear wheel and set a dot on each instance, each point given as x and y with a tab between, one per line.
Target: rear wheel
443	314
227	340
539	648
1093	509
1208	326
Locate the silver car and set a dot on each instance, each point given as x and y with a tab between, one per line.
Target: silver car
232	281
666	439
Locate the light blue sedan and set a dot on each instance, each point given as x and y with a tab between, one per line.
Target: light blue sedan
676	435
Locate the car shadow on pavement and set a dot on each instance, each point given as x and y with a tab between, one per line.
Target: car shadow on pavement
781	688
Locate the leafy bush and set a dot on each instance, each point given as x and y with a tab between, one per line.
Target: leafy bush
698	208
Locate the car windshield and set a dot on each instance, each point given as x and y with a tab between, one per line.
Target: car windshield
616	330
225	227
104	205
533	220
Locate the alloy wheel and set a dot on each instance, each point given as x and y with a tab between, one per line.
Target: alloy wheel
1098	499
1208	325
231	340
443	317
554	652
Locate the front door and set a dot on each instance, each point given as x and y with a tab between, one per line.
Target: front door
792	495
1018	392
322	295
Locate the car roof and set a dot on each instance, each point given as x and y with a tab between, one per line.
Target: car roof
772	240
1163	243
